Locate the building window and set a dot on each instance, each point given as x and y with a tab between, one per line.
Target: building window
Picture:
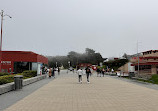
143	67
19	67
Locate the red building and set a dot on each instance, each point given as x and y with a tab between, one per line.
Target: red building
85	65
18	61
148	62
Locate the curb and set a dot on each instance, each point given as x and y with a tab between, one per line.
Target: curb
10	86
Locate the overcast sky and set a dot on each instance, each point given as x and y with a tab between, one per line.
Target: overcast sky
55	27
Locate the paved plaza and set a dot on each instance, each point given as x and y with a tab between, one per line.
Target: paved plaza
102	94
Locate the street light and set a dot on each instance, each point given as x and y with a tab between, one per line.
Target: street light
56	64
2	16
69	63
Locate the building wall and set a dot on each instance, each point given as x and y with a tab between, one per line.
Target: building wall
152	53
124	68
153	69
130	68
127	68
19	56
9	57
149	58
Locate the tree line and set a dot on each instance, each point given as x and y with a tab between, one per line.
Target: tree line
74	58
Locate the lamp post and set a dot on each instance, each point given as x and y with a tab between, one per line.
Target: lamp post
56	64
69	63
2	16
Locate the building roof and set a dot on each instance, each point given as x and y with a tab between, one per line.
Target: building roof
21	52
149	51
24	56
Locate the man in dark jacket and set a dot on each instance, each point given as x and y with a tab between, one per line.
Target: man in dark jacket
88	72
53	72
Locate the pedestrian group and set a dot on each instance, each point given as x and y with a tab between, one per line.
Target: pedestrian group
80	73
52	72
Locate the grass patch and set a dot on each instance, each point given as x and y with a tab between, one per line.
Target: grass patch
154	79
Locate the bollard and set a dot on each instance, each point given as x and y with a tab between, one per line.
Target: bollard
18	82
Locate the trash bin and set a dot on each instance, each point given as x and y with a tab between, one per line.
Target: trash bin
131	74
18	80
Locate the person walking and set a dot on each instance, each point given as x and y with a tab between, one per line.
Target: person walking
53	72
88	72
80	73
112	70
58	71
50	72
98	71
103	70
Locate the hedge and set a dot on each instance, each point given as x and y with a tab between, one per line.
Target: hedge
3	73
154	79
10	78
6	79
29	74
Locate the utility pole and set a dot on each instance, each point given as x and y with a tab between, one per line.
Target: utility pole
138	57
1	28
2	16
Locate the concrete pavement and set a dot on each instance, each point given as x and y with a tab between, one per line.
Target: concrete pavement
103	93
10	98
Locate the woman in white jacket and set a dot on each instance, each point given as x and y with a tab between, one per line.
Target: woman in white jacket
80	73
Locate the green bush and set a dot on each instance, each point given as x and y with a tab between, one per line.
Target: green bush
3	73
154	79
3	81
29	74
6	79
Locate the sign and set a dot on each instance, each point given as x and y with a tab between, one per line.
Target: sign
6	62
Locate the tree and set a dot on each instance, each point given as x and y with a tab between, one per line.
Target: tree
90	51
115	64
76	58
125	56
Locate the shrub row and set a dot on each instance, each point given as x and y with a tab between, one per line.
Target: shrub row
10	78
154	79
29	74
3	73
6	79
